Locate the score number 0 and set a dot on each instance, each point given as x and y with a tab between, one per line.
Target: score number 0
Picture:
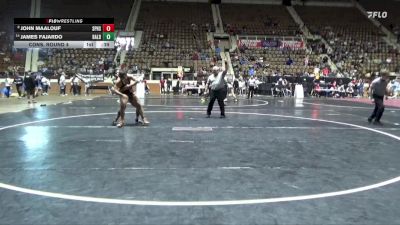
108	27
108	32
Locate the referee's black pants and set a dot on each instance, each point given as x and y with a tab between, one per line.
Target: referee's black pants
218	95
379	108
251	92
19	87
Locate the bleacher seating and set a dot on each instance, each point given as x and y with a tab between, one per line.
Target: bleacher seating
117	9
172	39
392	23
357	44
273	60
175	34
9	9
392	7
250	19
73	59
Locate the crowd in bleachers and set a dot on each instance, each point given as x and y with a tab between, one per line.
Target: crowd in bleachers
117	9
391	21
71	61
177	36
170	39
275	61
357	45
82	60
40	84
250	19
10	57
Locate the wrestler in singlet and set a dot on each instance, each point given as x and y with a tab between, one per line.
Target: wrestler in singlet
123	88
126	89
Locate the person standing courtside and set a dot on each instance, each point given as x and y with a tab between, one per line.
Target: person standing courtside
162	85
45	85
378	90
18	81
217	88
29	82
169	85
75	85
236	86
62	84
252	87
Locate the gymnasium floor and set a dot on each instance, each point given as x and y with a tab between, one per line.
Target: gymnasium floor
271	161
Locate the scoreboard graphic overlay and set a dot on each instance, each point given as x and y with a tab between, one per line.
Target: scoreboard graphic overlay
64	33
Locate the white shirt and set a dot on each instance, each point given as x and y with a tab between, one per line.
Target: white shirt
216	82
62	80
211	79
350	89
75	80
45	81
7	82
242	84
341	88
252	82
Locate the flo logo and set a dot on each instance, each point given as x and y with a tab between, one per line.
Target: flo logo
377	14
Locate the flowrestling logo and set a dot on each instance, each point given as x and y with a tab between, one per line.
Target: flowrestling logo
377	14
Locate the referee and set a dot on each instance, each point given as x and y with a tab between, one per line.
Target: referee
377	91
217	88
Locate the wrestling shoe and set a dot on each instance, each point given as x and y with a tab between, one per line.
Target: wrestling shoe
145	122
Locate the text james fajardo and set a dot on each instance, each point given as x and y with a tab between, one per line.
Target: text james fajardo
41	37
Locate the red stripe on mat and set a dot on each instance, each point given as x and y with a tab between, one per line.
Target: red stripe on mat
389	102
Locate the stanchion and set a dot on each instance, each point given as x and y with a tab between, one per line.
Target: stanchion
299	91
140	92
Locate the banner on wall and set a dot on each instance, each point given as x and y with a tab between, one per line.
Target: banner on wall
292	44
91	77
250	43
271	43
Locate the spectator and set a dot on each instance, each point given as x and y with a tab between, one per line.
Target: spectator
169	85
306	59
350	90
162	85
325	71
7	88
360	88
29	82
236	86
289	62
62	84
217	50
18	81
45	85
38	83
75	85
252	87
146	87
396	88
177	87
